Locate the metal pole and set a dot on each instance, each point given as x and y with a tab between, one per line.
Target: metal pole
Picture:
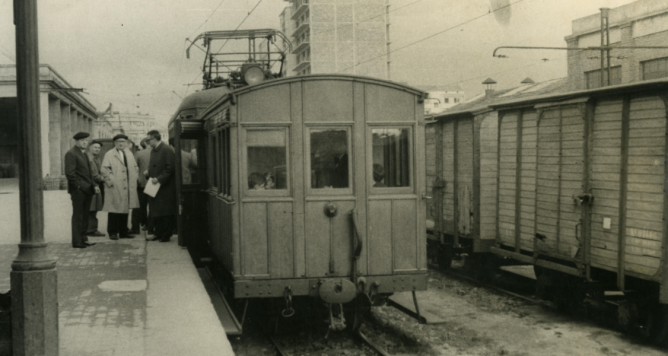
605	12
602	49
33	276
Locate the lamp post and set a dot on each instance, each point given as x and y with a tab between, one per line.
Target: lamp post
33	276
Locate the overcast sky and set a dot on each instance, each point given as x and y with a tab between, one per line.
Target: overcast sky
132	52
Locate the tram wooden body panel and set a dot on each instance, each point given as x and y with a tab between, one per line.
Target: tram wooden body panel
285	234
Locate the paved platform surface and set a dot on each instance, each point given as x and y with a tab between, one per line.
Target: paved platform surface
125	297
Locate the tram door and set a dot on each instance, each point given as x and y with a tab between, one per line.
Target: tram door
190	145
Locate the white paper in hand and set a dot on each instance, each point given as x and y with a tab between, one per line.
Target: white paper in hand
151	189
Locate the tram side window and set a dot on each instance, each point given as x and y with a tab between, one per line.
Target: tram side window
215	155
189	162
391	158
267	159
224	161
329	159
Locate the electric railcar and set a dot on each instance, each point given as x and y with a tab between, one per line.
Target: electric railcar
573	183
304	186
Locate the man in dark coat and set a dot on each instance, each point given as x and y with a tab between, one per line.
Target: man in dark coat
81	187
97	202
162	207
140	216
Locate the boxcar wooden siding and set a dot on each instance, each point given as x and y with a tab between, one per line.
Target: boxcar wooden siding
644	217
464	172
605	181
507	163
449	177
632	198
488	173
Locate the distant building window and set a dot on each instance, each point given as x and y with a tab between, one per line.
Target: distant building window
456	100
594	77
435	105
655	68
446	100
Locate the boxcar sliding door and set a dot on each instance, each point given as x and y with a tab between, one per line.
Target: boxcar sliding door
561	156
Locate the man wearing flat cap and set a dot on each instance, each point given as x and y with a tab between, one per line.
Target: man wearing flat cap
119	171
81	187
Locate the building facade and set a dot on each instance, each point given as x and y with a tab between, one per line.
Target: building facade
63	112
134	125
641	23
440	98
338	36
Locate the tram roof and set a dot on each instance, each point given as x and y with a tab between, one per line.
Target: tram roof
312	77
201	99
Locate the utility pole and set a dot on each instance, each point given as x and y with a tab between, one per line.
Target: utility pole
605	42
33	277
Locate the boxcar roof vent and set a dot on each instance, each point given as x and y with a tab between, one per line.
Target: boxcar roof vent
528	81
489	87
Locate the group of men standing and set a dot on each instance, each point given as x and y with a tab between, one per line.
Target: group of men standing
116	185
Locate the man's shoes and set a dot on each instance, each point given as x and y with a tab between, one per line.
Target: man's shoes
164	240
153	238
95	234
89	243
79	245
113	237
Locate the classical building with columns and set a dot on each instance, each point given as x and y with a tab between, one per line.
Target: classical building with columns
640	23
64	112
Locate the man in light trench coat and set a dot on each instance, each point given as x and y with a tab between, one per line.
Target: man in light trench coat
119	171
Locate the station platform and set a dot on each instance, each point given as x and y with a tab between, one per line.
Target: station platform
125	297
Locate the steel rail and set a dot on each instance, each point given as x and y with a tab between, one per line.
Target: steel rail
279	349
498	289
370	343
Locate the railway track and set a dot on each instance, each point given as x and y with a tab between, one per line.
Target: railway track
459	274
282	350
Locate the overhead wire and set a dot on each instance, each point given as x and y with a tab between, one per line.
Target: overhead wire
241	23
433	35
208	18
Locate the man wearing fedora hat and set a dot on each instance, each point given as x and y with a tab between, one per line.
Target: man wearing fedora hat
119	171
81	187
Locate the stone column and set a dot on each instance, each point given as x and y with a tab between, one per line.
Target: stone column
66	141
33	278
74	122
44	130
55	155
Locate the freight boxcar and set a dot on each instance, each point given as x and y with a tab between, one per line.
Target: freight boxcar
575	184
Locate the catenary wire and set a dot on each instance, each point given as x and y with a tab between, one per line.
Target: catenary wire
433	35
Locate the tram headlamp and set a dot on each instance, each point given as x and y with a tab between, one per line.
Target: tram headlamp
253	74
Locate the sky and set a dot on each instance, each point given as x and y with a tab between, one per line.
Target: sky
132	53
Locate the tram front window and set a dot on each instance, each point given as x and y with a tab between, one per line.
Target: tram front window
266	159
391	158
329	158
189	162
